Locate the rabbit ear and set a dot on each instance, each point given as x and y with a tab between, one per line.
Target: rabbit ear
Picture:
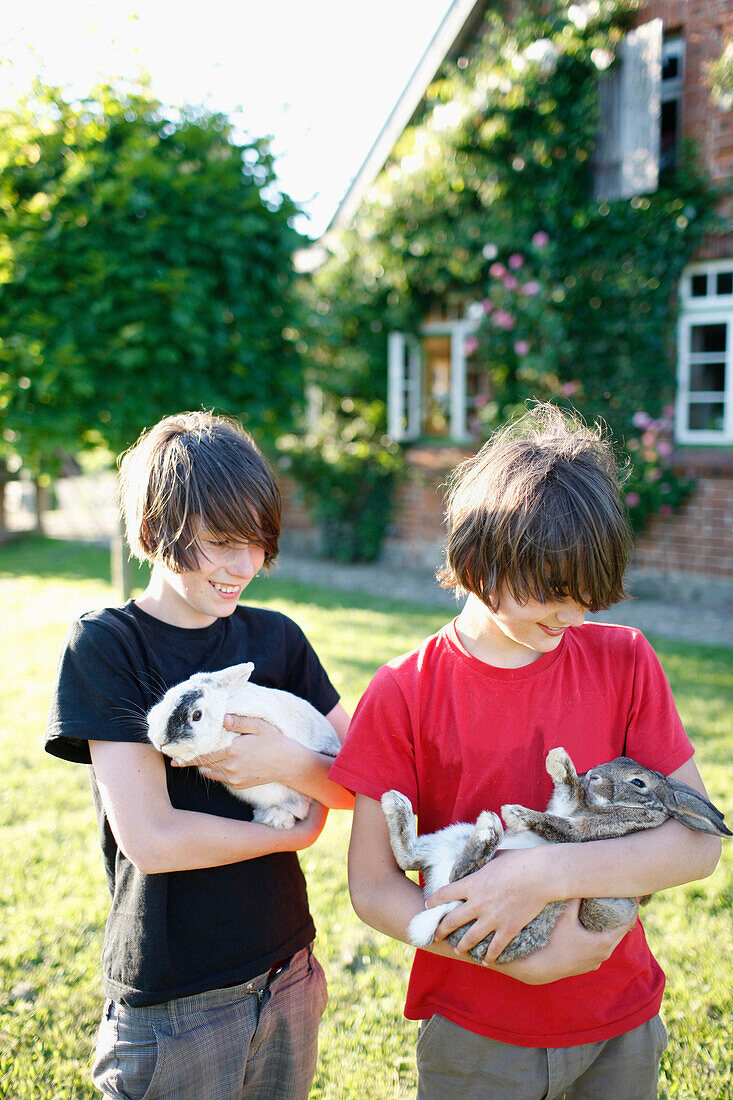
691	808
235	674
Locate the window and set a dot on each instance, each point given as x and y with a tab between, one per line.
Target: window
705	354
673	66
431	386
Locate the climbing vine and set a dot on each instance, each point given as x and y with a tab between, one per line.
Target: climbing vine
486	203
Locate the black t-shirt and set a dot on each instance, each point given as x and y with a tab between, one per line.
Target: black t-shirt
173	934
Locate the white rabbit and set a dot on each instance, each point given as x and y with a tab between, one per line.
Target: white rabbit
189	721
608	801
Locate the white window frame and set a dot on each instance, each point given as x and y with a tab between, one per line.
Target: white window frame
406	417
711	309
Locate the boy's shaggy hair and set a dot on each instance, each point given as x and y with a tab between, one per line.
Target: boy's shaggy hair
197	471
539	510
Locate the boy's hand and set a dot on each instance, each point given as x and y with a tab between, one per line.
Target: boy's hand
502	898
261	756
571	950
306	832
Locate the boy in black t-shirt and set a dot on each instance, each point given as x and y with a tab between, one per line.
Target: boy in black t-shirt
212	986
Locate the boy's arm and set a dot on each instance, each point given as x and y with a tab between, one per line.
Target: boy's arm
386	899
265	755
157	837
511	889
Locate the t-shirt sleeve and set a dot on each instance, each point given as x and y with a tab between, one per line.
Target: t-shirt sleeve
655	736
98	694
379	753
304	674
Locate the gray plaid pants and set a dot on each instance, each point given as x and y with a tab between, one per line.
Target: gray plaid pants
255	1041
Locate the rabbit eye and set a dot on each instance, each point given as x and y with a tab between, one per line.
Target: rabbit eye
638	783
196	716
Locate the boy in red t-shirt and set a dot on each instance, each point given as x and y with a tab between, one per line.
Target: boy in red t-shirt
537	535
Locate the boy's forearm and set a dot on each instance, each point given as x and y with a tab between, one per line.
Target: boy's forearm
634	865
307	772
186	840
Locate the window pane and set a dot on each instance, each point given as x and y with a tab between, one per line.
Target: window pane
707	338
707	377
725	282
706	417
670	67
699	286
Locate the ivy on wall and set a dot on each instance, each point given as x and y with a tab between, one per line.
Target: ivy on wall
487	200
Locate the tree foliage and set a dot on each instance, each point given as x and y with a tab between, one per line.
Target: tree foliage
145	267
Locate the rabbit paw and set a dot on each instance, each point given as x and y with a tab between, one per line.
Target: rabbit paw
396	804
559	766
489	828
275	816
517	818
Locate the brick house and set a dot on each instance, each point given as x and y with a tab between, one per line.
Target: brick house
655	94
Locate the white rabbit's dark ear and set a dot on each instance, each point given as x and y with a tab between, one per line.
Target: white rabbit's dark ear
691	808
235	674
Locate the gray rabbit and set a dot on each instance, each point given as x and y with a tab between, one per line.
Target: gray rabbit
608	801
189	722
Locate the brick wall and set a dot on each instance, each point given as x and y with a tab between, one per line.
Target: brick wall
697	540
705	25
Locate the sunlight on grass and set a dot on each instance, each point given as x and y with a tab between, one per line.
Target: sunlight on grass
53	898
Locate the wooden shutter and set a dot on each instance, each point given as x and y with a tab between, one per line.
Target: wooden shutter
626	160
404	386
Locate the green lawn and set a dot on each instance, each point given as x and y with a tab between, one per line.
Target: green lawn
53	898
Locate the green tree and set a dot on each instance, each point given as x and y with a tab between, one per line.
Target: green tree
145	267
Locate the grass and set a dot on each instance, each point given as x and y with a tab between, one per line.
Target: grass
53	899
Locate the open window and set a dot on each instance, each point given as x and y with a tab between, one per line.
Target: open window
626	161
432	387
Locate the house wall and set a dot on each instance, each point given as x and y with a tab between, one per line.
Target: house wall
695	541
705	25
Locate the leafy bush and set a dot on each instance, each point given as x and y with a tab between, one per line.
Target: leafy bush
347	471
653	486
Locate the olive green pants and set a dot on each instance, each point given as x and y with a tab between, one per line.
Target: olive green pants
454	1063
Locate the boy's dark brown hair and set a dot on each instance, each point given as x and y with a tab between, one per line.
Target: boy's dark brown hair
539	510
191	471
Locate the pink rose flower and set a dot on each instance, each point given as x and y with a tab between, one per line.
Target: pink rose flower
649	439
521	347
640	420
497	271
487	305
504	319
664	448
470	345
540	239
569	388
632	499
515	261
531	288
511	282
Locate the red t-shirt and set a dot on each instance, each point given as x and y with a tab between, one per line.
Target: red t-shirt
459	736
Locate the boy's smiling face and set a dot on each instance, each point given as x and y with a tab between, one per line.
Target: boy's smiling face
516	633
197	597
